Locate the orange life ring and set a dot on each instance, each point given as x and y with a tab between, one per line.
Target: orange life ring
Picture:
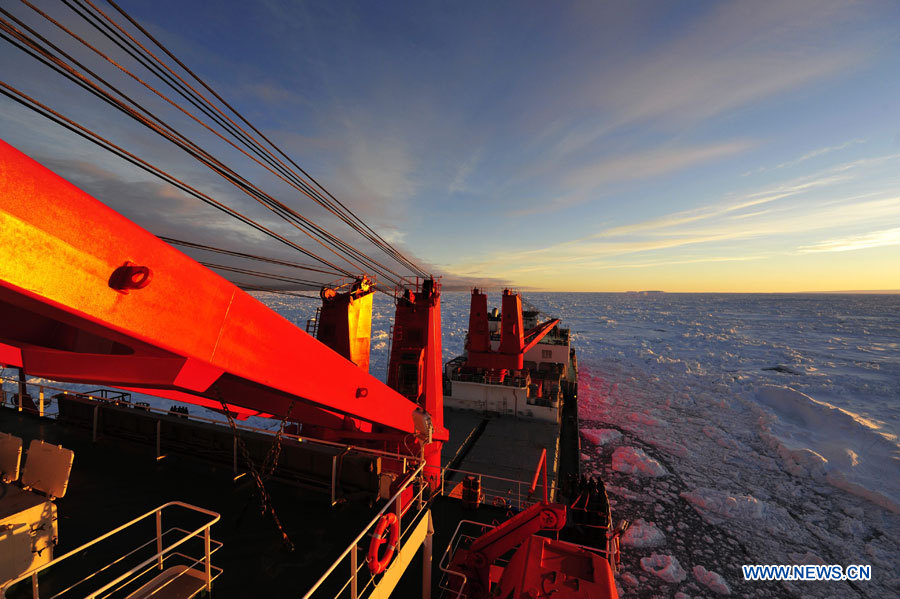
377	566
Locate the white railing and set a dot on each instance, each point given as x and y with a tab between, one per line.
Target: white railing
164	551
407	518
453	582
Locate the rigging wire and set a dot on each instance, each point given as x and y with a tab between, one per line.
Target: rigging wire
264	275
172	135
185	89
209	248
246	287
384	245
29	102
34	49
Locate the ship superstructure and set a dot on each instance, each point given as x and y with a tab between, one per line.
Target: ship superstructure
527	379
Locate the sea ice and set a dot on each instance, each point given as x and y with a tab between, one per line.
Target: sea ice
717	504
643	534
711	580
600	436
632	460
664	566
817	439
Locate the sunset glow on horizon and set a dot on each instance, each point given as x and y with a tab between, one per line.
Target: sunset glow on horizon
706	147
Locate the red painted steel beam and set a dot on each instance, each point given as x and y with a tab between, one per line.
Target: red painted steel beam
176	325
487	548
534	336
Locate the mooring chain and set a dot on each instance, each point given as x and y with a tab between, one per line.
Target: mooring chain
275	450
265	503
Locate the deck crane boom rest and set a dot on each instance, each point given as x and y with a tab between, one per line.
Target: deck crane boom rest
88	296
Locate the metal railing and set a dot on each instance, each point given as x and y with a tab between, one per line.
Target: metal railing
407	518
453	582
136	573
44	409
498	491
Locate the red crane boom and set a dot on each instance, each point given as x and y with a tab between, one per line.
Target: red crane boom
88	296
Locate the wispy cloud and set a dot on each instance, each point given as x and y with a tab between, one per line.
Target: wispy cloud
460	180
820	152
737	54
650	163
793	208
580	184
807	156
856	242
729	208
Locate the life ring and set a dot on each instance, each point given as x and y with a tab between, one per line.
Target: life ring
377	566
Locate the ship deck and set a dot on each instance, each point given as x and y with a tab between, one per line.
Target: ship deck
505	447
114	480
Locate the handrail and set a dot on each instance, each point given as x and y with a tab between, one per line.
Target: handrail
205	528
542	462
491	476
299	438
447	555
409	527
508	486
218	545
352	546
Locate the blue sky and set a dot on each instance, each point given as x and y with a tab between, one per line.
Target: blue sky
686	146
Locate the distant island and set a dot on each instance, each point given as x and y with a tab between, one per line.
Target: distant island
653	293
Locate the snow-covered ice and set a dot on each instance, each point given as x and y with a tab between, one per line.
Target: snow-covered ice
711	580
717	505
600	436
776	417
632	460
664	566
818	439
643	534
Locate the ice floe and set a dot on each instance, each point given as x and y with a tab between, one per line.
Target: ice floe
663	566
632	460
643	534
711	580
600	436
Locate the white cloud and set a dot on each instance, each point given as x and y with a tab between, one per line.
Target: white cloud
819	152
459	183
647	164
855	242
793	208
738	54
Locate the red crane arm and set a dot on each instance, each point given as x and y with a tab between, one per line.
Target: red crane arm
488	547
87	295
534	336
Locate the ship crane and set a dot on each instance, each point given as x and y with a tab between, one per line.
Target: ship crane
88	296
539	566
514	340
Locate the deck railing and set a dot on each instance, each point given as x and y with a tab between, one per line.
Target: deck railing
48	409
348	576
507	493
139	573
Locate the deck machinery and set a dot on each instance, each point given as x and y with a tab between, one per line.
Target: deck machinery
86	296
